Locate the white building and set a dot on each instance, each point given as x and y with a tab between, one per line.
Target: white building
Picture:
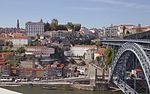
127	28
81	69
39	51
34	28
111	32
80	50
18	40
142	29
86	31
58	34
117	30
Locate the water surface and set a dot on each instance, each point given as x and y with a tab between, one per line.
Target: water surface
39	90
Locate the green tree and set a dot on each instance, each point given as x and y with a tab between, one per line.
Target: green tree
9	44
54	24
61	27
77	27
6	49
108	56
127	32
70	25
11	61
37	36
1	49
47	27
20	50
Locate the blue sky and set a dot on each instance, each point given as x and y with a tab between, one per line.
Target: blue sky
90	13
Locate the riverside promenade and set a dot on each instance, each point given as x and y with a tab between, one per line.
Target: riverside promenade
5	91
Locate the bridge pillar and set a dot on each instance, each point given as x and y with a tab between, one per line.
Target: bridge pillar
92	75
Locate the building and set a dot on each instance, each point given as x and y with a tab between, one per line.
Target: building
117	30
99	55
126	29
7	30
18	40
5	70
39	51
101	33
34	28
60	34
82	70
85	31
111	32
89	55
80	50
142	29
56	70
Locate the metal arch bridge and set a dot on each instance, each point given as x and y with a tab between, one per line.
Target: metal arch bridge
140	49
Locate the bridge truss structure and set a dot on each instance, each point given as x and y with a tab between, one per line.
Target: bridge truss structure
130	69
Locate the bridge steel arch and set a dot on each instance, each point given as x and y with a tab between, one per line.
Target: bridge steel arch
141	56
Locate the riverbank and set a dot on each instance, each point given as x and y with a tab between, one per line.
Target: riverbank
6	91
59	85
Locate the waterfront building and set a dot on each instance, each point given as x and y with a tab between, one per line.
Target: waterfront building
6	70
56	70
34	28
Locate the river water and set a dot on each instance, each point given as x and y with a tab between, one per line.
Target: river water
39	90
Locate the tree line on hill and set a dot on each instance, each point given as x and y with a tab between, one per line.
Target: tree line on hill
54	25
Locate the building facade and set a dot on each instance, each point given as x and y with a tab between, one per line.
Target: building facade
111	32
80	50
61	34
18	40
34	28
118	30
39	51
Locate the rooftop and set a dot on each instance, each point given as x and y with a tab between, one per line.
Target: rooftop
86	46
16	37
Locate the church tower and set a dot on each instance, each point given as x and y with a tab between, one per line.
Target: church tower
18	24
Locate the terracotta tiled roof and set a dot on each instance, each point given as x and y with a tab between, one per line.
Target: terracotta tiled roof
16	37
126	25
101	51
144	27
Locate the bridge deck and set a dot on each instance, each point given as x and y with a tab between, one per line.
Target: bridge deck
122	41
